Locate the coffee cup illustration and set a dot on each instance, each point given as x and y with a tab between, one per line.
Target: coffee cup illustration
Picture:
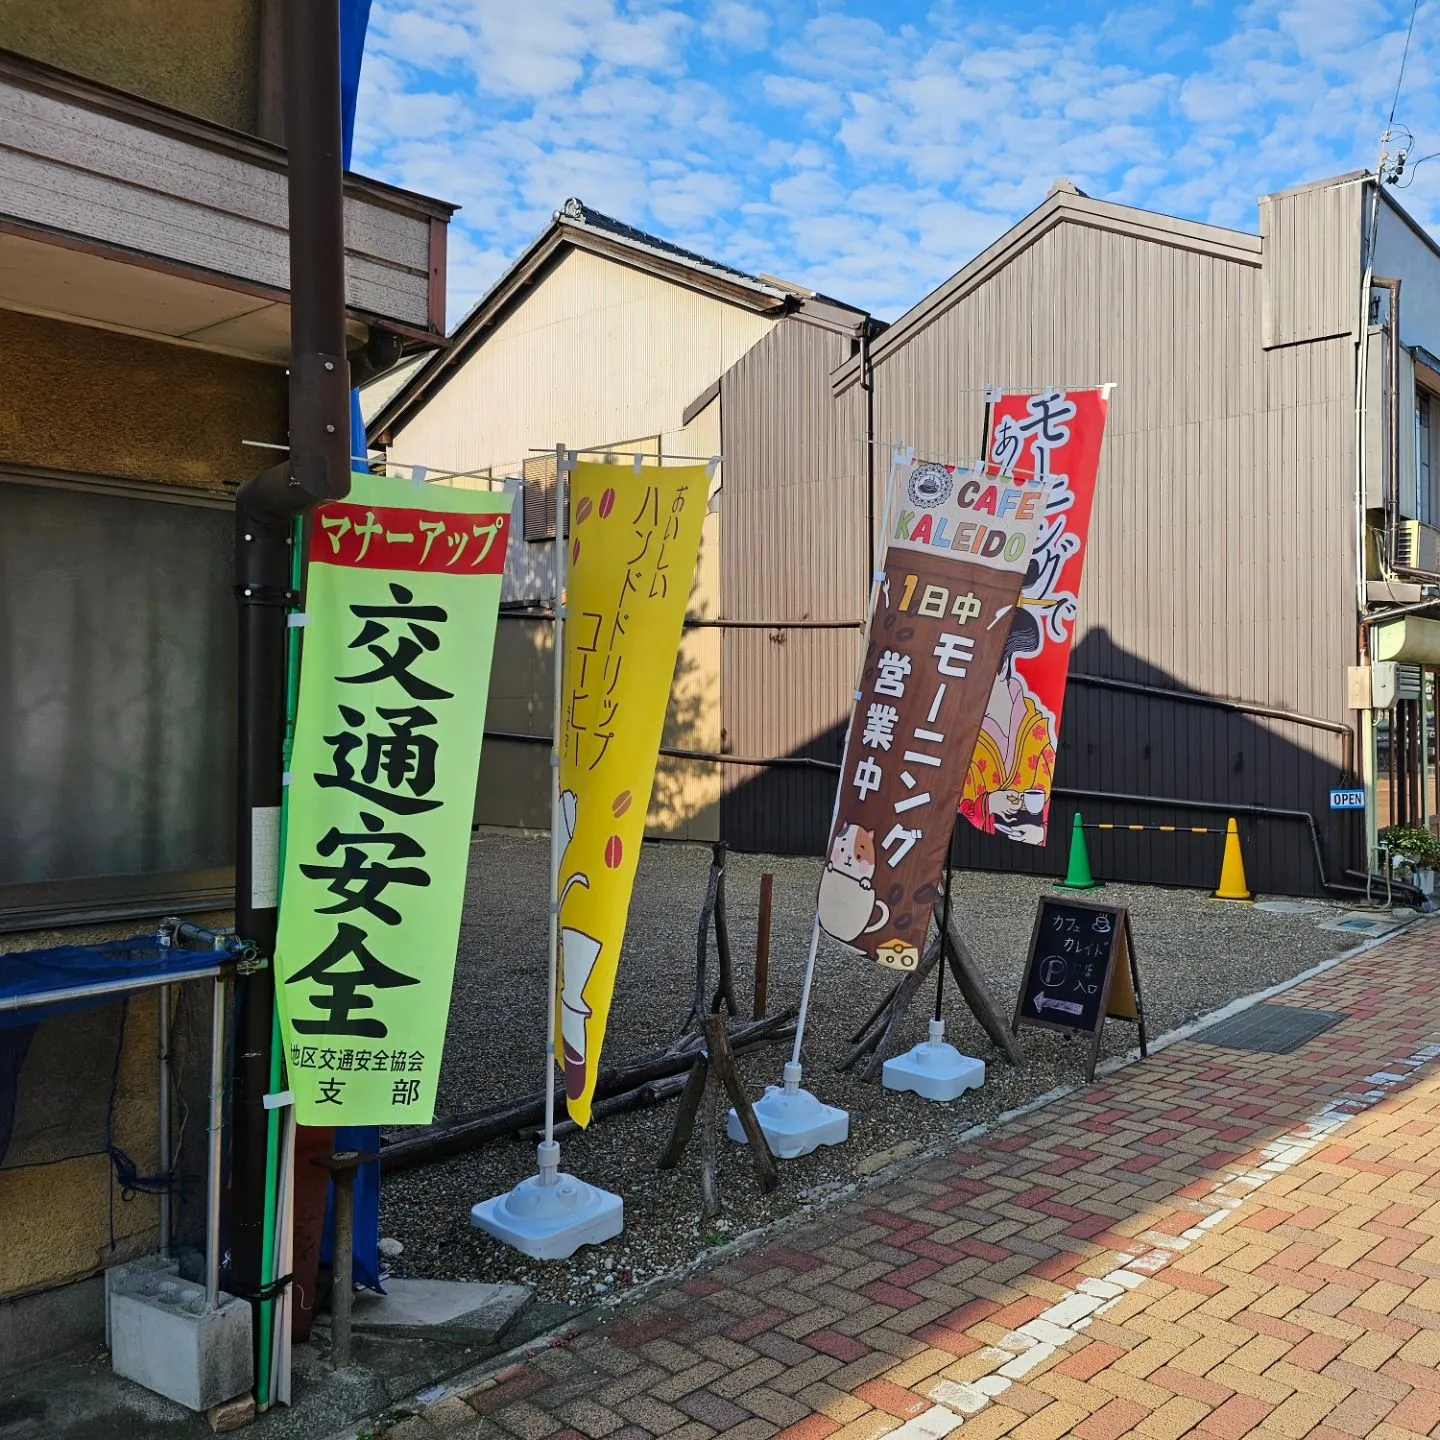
848	905
578	954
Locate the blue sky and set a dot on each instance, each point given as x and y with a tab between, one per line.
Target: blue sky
869	150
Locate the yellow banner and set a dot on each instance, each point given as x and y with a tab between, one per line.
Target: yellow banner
634	541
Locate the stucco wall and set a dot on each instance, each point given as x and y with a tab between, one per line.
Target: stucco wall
199	56
55	1217
103	403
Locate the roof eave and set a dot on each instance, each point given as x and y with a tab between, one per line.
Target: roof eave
563	231
729	285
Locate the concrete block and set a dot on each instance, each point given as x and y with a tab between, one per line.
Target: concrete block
464	1310
163	1336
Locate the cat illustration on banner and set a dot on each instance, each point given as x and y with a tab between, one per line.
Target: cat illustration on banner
848	905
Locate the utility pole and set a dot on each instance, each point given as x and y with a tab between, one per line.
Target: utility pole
318	470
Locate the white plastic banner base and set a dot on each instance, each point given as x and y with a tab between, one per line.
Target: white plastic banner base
792	1120
934	1069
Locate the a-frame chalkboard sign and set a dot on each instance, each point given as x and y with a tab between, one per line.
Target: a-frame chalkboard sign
1080	970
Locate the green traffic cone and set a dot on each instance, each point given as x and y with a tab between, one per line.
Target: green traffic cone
1078	875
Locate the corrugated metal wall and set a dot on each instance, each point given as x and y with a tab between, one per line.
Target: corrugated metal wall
793	507
1311	288
1220	554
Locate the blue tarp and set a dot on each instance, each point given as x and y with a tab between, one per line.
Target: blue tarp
73	968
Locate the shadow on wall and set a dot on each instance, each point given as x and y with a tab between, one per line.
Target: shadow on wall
1121	743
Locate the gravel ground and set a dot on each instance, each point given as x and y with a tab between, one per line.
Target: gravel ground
495	1046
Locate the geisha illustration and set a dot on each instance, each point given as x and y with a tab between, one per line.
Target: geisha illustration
1007	789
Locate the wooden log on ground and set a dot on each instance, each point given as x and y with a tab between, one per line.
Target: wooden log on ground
459	1133
648	1095
644	1097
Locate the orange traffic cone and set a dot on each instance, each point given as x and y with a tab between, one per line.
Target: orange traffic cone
1233	885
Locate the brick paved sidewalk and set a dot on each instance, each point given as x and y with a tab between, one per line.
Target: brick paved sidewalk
1214	1242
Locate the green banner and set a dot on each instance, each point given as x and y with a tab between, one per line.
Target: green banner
403	589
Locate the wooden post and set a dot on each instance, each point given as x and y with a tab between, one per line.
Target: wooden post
877	1036
702	947
710	1205
879	1029
722	1059
762	947
977	994
717	1063
904	994
690	1098
725	990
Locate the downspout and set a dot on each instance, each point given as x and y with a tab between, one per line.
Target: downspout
318	469
1366	747
867	384
1392	448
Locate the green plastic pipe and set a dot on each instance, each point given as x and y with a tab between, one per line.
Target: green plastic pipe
277	1052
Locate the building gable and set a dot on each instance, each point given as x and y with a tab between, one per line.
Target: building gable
592	351
1065	207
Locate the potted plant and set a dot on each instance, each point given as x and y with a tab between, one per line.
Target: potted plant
1414	855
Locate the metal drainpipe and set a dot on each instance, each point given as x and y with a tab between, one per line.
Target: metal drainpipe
867	383
318	469
1392	456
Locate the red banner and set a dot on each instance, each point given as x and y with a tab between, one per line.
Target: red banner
1055	437
368	538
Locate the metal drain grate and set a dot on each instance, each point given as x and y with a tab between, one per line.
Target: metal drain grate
1270	1029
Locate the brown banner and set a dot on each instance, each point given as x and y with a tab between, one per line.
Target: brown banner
936	640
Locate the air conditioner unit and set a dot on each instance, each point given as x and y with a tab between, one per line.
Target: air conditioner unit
1417	547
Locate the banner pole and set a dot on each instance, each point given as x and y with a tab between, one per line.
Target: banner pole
549	1151
898	459
544	1216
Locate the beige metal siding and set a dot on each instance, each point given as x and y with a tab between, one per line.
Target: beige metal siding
598	352
1311	278
1224	465
795	549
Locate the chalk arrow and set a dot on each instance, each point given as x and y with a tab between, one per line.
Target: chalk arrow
1045	1002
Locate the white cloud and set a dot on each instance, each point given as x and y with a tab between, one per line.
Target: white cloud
860	153
737	26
